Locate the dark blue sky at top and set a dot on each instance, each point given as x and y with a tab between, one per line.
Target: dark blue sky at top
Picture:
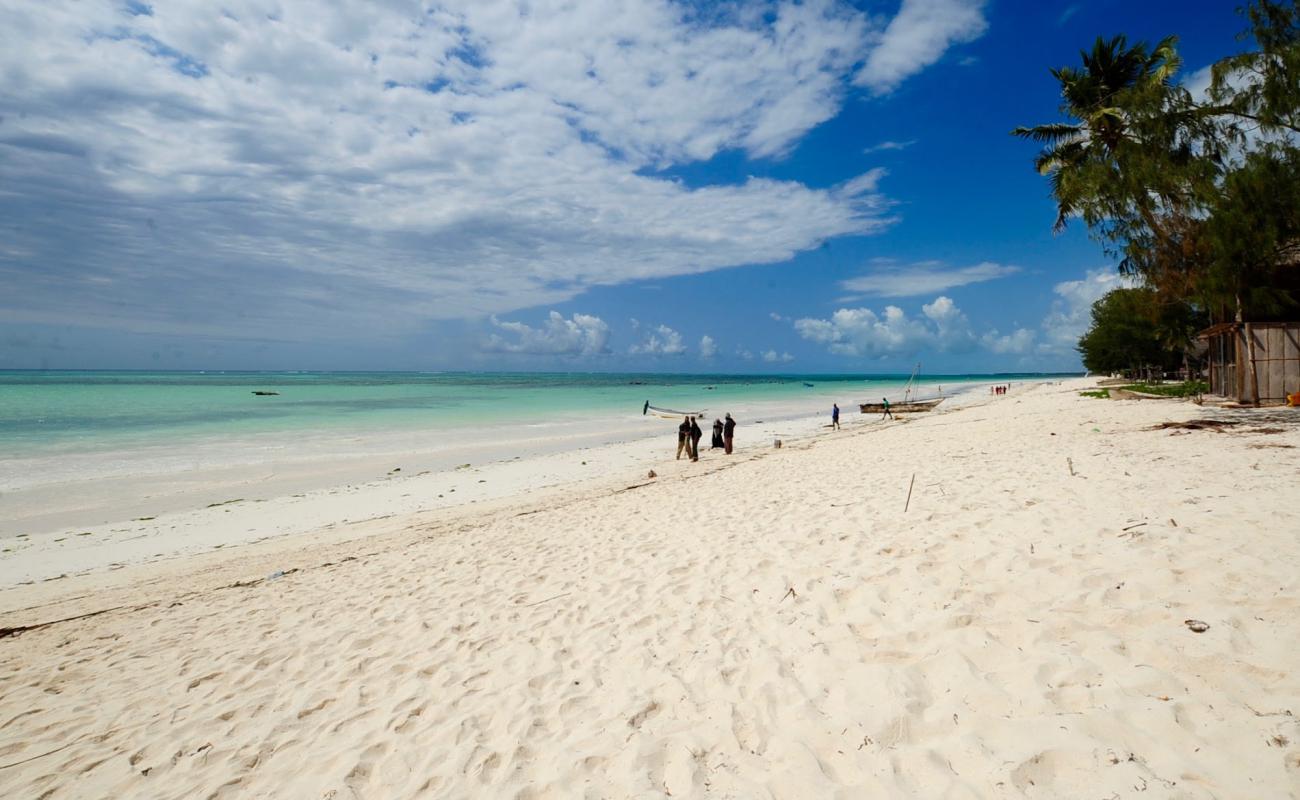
965	189
963	192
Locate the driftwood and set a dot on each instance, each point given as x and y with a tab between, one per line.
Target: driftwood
909	493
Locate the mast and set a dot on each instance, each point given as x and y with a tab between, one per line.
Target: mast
907	390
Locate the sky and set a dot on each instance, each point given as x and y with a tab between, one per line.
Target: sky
588	185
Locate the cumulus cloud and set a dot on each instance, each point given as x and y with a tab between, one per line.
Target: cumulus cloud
583	335
662	341
708	347
773	357
1071	311
924	277
323	169
917	37
863	332
1018	342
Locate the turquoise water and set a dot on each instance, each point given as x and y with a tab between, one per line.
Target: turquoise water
48	413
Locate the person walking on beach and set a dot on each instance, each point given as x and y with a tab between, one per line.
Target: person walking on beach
835	416
887	413
683	434
717	435
728	433
696	435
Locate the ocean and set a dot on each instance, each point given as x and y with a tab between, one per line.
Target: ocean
67	426
83	448
60	411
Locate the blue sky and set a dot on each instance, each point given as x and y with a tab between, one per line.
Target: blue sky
601	185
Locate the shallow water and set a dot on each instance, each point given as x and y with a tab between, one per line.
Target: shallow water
57	426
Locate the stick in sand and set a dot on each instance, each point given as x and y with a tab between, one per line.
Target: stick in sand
909	493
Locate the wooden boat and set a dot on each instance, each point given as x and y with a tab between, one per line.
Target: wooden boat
668	413
909	407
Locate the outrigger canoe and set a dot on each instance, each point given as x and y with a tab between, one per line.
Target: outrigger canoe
910	407
668	413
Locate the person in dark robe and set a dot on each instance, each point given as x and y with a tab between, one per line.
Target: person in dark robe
683	436
835	416
728	433
717	435
696	435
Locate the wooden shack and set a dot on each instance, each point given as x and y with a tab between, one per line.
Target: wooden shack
1253	362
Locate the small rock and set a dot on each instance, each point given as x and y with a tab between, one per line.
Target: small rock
652	474
1196	626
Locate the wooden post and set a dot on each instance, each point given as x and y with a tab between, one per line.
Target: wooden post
1254	376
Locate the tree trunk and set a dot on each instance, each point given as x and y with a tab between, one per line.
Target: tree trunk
1254	376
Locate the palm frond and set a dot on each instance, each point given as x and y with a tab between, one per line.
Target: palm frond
1051	133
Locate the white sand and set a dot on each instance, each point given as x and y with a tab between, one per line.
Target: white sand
774	625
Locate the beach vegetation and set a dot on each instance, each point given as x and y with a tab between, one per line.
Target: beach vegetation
1196	194
1103	394
1136	332
1180	389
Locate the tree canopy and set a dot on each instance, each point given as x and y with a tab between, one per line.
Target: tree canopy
1132	331
1198	197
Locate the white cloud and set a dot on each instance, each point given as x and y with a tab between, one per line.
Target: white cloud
1019	341
320	170
773	357
925	277
888	145
662	341
776	317
744	355
1071	311
917	37
583	335
864	333
708	347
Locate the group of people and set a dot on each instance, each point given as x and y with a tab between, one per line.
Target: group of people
689	435
1000	389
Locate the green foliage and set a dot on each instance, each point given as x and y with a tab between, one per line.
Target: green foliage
1262	87
1132	330
1103	394
1253	237
1200	200
1184	389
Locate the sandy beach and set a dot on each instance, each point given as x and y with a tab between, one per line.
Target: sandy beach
1038	595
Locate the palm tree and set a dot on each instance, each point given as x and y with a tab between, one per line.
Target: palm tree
1116	84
